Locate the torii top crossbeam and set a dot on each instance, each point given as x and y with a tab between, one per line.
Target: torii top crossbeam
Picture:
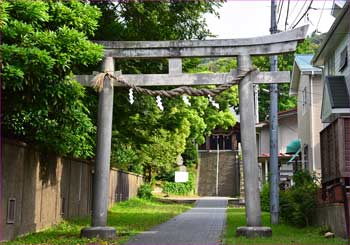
284	42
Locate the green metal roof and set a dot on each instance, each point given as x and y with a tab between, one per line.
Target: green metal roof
304	63
293	147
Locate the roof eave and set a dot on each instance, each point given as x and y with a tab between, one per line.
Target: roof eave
318	59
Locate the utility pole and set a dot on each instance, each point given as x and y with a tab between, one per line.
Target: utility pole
274	172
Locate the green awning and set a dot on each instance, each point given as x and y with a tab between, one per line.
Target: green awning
293	147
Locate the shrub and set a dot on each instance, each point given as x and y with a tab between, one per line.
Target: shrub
265	197
145	191
185	188
297	204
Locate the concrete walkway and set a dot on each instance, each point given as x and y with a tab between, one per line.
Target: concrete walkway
203	224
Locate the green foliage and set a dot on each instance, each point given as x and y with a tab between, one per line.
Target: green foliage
298	203
44	43
145	191
265	198
285	63
147	20
185	188
145	139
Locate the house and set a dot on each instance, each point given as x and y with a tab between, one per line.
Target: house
287	133
333	58
307	86
333	54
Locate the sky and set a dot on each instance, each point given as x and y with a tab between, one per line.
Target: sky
239	19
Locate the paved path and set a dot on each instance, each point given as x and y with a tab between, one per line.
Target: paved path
203	224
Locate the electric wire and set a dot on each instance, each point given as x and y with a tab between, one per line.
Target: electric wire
279	13
286	22
319	19
302	7
294	8
307	10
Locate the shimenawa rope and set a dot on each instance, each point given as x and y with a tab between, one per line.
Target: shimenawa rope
98	81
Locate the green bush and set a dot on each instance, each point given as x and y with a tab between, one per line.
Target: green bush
265	198
297	204
185	188
145	191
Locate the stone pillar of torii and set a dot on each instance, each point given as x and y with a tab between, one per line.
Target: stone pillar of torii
243	49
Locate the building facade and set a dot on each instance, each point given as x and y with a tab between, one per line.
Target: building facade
287	133
307	86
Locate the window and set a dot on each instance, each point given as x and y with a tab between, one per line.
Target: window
343	59
213	142
304	100
11	211
224	141
228	142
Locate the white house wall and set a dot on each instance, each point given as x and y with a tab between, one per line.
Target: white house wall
309	119
287	132
317	125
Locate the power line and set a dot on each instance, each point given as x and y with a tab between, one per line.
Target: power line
307	10
286	22
279	13
302	7
294	8
319	19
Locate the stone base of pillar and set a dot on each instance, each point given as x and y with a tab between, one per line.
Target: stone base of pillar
254	231
103	232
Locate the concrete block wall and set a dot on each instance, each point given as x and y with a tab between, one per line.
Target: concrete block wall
228	174
49	188
332	215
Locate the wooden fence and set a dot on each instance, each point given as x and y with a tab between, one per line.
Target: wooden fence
40	190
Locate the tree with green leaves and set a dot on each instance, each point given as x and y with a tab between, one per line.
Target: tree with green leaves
285	63
145	139
44	44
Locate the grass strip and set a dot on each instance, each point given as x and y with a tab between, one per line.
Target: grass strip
281	233
129	218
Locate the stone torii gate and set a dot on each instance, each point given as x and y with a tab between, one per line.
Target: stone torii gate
243	49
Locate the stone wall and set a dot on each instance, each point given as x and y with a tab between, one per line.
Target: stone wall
229	184
39	190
